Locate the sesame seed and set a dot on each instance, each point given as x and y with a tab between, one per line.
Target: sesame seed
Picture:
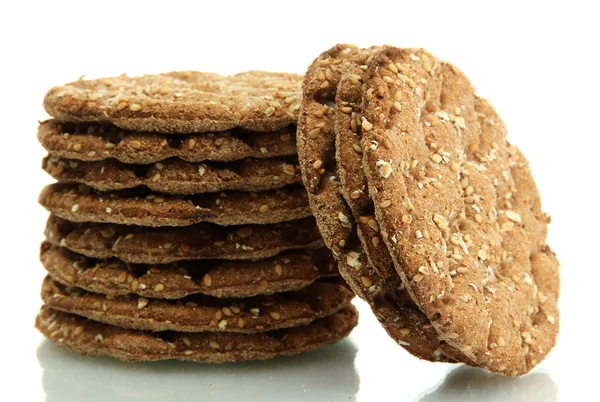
254	311
134	285
187	341
318	163
513	216
366	125
135	107
500	341
207	280
397	106
366	281
226	311
74	208
343	218
373	225
214	345
346	109
99	338
274	315
142	302
223	324
452	335
375	241
123	277
188	352
191	143
385	168
385	203
78	330
288	169
159	287
436	158
388	79
352	259
278	269
156	177
355	194
418	277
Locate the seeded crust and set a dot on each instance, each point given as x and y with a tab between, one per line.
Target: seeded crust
181	102
144	245
400	318
95	142
174	176
92	338
463	223
316	144
79	203
201	313
217	278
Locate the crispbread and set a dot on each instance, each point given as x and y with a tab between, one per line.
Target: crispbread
348	151
459	212
92	338
403	321
316	143
181	102
218	278
175	176
79	203
95	142
145	245
200	313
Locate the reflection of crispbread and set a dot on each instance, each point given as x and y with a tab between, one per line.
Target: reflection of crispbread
79	203
398	315
459	212
200	313
218	278
175	176
146	245
181	102
94	142
88	337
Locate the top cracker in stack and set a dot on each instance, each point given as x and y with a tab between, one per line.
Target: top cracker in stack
178	209
433	215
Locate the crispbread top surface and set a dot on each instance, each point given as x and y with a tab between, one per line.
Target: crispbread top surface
199	313
181	102
146	245
80	203
217	278
459	211
94	142
92	338
175	176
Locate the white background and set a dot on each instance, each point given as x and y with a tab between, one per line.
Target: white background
536	61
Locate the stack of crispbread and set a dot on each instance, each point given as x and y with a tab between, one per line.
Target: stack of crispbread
179	228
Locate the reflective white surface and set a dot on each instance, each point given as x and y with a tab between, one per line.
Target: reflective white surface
354	369
537	62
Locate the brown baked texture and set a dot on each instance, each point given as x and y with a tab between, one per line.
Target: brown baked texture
95	142
181	102
218	278
175	176
459	212
80	203
200	313
92	338
317	154
145	245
